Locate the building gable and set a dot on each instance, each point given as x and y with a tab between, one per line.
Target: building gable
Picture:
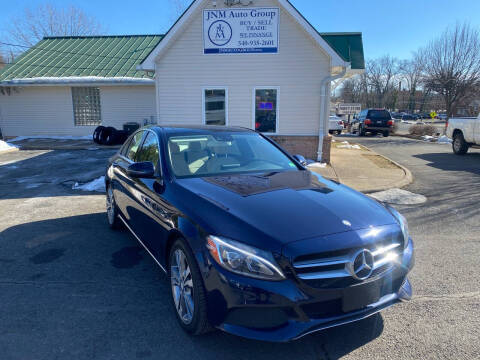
196	7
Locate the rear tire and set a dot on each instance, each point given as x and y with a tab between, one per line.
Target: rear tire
188	293
459	145
112	210
386	133
361	131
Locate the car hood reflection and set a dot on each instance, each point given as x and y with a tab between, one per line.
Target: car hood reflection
285	206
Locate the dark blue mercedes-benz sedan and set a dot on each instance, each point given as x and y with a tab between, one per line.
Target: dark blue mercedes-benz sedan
252	241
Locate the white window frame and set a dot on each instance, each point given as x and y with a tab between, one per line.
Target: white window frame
254	108
99	104
204	118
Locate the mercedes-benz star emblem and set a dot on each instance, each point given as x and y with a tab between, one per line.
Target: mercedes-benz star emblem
361	265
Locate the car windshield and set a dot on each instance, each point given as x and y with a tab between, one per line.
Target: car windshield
224	153
379	115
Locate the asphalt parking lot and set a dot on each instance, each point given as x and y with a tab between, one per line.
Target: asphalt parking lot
70	288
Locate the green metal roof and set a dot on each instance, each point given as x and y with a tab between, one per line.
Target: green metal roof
83	56
349	46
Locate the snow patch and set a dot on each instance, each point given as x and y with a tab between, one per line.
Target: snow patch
317	165
95	185
79	80
33	185
6	146
428	138
28	138
347	145
444	140
399	197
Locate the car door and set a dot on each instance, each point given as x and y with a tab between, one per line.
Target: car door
122	184
477	131
152	220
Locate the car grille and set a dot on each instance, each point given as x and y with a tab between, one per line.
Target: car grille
330	269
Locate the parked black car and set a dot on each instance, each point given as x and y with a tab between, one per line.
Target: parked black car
253	242
374	121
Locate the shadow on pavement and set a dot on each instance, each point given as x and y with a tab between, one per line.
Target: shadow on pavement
448	161
72	288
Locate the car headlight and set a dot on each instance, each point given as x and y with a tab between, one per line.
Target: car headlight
244	259
402	221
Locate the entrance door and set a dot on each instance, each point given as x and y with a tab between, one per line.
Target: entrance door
215	107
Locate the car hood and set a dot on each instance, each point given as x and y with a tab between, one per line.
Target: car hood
283	206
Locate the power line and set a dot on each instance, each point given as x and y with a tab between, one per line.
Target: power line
73	52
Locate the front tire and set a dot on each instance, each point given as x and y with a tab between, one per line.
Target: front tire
188	292
459	145
112	210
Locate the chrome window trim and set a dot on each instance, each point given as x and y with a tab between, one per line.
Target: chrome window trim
141	243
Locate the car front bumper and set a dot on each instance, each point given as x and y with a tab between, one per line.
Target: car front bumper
278	311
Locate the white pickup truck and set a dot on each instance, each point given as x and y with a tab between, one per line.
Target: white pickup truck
465	133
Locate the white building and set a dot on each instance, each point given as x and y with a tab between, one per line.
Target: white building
256	64
264	65
67	86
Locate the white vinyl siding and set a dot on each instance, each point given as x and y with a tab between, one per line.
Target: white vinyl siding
48	110
298	69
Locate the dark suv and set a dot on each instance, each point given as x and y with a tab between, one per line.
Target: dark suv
374	121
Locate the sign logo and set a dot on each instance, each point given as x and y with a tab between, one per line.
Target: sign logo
240	30
362	264
220	33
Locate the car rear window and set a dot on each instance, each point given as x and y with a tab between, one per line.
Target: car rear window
379	115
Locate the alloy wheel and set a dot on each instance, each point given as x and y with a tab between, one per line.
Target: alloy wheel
110	205
182	286
457	143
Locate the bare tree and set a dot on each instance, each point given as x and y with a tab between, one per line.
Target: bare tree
452	64
2	61
49	20
177	7
381	76
411	72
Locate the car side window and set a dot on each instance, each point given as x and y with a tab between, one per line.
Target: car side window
149	151
134	145
126	145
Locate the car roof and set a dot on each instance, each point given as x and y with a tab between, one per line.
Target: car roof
197	129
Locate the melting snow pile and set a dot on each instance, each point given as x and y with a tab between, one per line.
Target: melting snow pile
347	145
399	197
95	185
428	138
317	165
6	146
444	140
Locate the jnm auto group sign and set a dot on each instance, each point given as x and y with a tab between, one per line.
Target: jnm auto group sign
239	31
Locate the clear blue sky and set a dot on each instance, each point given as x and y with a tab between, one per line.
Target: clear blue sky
395	27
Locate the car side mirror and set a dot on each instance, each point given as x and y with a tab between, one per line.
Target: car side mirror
141	170
300	159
